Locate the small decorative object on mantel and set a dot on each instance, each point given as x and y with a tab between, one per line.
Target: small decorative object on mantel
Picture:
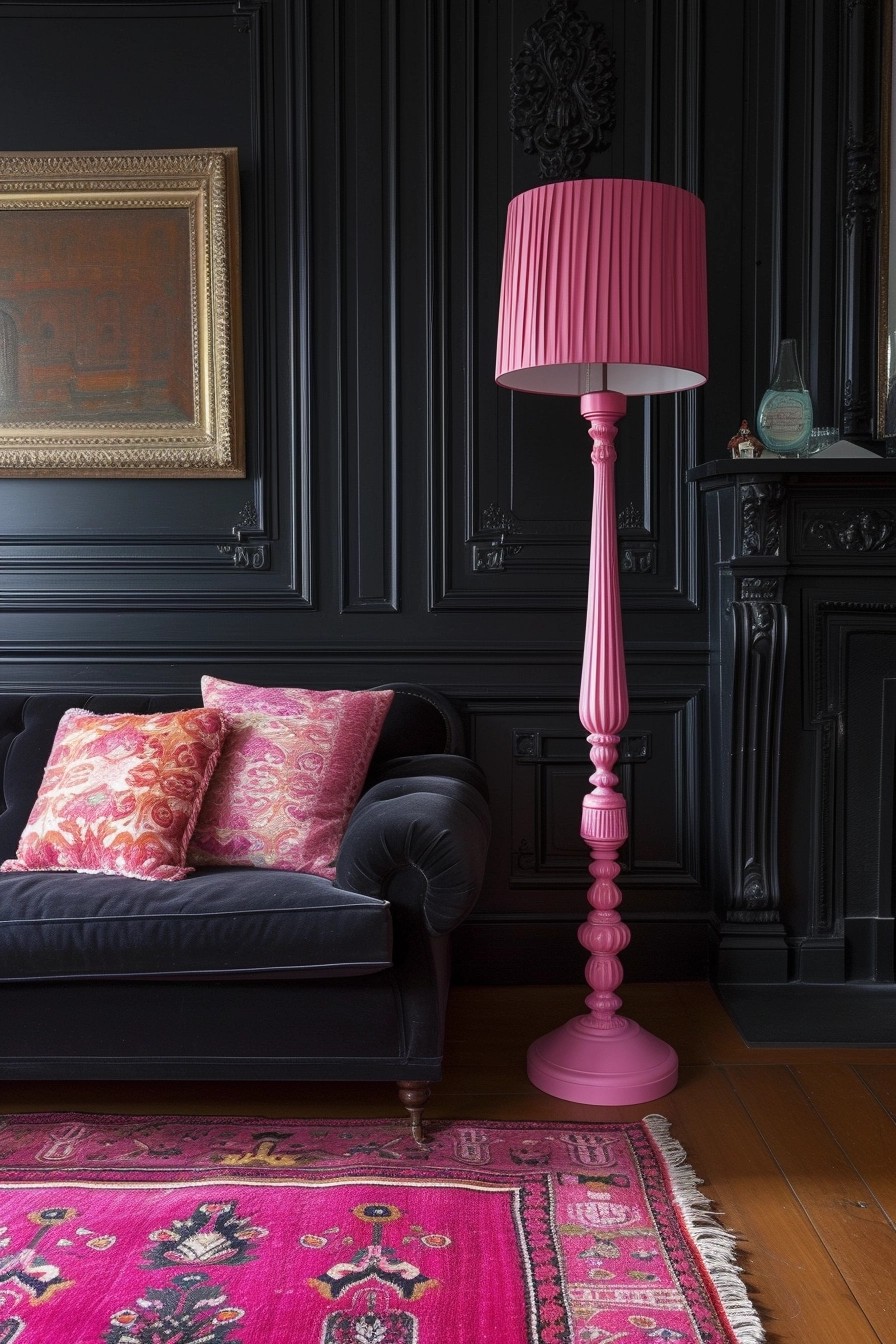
784	418
745	443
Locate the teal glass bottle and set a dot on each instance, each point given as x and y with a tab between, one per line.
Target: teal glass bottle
784	418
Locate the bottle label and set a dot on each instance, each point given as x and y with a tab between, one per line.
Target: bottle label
785	419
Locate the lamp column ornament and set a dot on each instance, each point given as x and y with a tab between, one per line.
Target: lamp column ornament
603	711
601	1058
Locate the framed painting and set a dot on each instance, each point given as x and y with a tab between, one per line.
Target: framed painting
120	348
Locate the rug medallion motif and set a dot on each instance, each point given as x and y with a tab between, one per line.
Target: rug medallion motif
193	1230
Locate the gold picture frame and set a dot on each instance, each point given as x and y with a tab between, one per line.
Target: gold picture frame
120	336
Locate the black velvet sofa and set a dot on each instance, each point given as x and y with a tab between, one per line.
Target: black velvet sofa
238	973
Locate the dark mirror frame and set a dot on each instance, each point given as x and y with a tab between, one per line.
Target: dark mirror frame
886	338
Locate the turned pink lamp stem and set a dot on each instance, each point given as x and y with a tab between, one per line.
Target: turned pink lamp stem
603	711
604	286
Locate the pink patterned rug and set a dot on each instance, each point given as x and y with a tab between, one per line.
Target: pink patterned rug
202	1230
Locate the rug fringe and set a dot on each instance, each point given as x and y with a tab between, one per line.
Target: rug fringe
714	1242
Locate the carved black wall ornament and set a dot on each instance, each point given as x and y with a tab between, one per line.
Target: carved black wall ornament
856	408
859	530
562	92
762	511
490	558
248	557
762	626
637	557
526	743
759	590
760	641
862	184
630	519
754	891
248	517
252	556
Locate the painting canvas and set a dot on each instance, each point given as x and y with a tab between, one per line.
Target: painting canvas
119	315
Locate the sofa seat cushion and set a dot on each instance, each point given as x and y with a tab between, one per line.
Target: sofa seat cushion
216	923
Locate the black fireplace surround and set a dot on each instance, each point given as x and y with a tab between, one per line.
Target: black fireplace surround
802	603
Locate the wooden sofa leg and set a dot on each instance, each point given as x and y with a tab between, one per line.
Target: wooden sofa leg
414	1095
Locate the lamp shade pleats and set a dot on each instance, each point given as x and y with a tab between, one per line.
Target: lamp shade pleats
603	272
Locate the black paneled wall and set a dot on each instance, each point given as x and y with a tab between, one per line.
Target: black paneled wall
401	517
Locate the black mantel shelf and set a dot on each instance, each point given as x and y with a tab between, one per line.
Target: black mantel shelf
801	598
797	467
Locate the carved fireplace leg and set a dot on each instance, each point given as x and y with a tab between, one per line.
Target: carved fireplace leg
414	1095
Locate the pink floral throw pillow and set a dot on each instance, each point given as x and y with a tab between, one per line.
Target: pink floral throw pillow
289	776
121	793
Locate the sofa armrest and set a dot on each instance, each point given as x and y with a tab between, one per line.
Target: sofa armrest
434	827
440	765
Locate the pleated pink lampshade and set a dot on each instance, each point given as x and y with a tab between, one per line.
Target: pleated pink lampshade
603	272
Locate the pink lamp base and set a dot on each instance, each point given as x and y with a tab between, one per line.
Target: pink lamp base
618	1067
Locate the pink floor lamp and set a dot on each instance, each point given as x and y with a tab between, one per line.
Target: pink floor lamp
603	296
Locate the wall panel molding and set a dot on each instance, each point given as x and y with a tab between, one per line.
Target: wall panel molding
243	93
860	239
367	98
526	458
536	755
405	518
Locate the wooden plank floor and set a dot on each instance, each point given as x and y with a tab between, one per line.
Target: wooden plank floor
797	1147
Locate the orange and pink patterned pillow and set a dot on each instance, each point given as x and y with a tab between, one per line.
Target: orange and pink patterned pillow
290	774
121	794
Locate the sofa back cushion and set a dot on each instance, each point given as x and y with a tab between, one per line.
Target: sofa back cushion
290	774
420	720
